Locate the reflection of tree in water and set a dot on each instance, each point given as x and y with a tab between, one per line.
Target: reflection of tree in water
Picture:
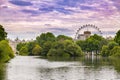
52	73
116	63
65	58
2	71
95	62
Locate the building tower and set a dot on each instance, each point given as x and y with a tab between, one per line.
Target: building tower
87	34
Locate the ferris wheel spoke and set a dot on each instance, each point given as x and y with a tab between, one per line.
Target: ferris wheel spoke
87	26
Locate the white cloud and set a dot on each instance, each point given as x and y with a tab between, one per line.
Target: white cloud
15	21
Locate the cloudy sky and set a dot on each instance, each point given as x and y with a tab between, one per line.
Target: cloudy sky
28	18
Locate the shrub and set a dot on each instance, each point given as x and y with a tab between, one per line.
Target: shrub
36	50
6	52
105	51
24	51
115	51
65	48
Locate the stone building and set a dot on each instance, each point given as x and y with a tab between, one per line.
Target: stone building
84	36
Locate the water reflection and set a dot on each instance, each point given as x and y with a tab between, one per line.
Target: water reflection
2	71
54	68
116	63
87	68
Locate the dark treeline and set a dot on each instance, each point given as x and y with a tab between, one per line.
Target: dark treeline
6	52
48	45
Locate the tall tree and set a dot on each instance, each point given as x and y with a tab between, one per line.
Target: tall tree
3	34
44	37
117	37
36	50
63	37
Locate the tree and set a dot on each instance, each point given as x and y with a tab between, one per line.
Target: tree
24	51
6	52
82	44
57	49
46	47
112	44
115	51
36	50
44	37
117	37
91	45
63	37
20	45
72	48
3	34
30	46
102	41
105	51
94	43
65	48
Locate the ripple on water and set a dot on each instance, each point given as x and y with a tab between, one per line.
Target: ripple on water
33	68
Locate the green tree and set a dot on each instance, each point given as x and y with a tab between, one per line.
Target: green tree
20	45
63	37
6	52
112	44
65	48
30	46
92	45
117	37
44	37
24	51
36	50
115	51
3	34
105	51
57	49
82	44
100	40
72	48
46	47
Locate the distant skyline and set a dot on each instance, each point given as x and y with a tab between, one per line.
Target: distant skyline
26	19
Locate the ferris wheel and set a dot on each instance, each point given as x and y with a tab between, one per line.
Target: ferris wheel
88	27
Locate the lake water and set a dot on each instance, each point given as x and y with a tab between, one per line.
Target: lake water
36	68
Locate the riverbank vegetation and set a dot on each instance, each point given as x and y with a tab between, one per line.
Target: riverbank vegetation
63	46
6	52
48	45
112	49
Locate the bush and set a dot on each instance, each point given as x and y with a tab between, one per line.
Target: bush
46	47
112	44
24	51
117	37
57	52
36	50
6	52
72	48
65	48
57	49
105	51
115	51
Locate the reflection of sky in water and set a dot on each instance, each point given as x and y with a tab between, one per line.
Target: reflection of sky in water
31	68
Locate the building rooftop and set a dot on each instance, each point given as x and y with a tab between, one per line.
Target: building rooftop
87	32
